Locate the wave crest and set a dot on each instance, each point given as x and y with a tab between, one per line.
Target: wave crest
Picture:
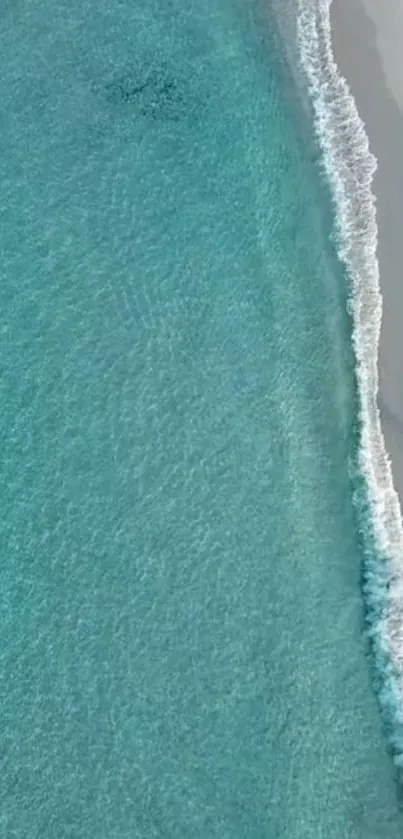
350	167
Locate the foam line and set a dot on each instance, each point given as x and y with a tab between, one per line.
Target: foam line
350	166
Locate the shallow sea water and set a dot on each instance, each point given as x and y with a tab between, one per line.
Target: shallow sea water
182	650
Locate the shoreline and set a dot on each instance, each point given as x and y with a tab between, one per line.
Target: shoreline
365	48
359	47
350	97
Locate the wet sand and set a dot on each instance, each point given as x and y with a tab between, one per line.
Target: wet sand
367	37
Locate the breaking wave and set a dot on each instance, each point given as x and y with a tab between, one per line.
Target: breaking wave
350	166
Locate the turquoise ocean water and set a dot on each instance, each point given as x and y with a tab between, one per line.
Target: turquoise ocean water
181	621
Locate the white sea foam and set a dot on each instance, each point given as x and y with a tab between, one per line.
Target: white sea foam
350	168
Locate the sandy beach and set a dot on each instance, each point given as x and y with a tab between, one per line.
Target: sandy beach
367	46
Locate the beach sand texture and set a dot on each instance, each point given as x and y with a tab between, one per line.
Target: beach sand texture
367	39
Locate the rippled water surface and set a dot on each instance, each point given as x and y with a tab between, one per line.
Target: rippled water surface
181	622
